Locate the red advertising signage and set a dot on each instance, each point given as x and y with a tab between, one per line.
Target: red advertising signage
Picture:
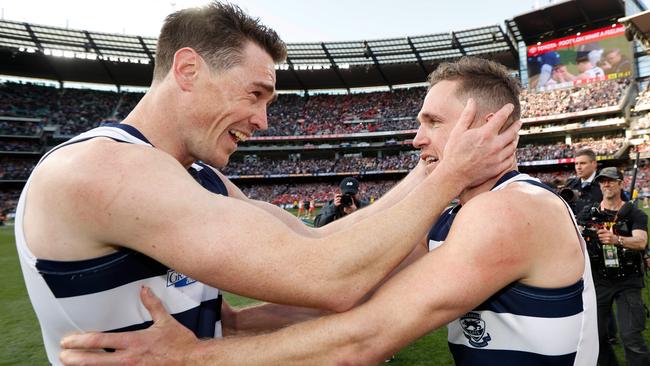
576	40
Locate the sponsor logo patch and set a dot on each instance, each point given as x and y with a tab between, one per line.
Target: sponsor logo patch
177	279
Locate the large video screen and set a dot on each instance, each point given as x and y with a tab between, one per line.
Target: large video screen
585	57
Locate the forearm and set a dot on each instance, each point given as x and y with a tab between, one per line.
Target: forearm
267	317
332	340
371	248
635	242
394	195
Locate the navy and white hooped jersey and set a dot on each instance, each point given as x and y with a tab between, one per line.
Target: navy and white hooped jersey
524	325
102	294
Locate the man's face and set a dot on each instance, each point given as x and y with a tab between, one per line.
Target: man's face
230	105
440	112
613	57
585	167
611	188
584	66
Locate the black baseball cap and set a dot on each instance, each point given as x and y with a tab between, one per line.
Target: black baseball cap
349	185
610	172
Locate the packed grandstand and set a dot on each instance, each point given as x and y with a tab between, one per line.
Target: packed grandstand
30	112
316	139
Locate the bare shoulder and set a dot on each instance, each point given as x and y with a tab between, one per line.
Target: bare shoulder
99	165
530	225
522	206
70	191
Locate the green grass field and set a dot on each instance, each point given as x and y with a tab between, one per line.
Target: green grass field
21	342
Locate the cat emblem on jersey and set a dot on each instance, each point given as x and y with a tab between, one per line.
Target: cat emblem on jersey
178	279
474	329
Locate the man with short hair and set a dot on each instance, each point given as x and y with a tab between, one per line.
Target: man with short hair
617	263
344	203
141	203
617	62
508	273
588	190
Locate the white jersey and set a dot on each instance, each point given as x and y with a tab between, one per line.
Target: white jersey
525	325
102	294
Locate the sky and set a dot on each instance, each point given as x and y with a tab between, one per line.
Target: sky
294	20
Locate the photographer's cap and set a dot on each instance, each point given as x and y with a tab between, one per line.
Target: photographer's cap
349	185
611	173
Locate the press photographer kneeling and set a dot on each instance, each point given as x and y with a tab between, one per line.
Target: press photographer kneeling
616	236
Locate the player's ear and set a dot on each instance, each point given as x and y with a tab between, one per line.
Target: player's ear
185	68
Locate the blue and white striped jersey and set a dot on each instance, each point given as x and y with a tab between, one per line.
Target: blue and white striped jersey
524	325
102	294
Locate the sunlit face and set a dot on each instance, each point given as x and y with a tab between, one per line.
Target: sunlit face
585	167
440	112
611	188
613	57
230	105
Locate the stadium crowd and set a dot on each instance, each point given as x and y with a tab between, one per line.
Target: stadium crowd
71	111
16	169
20	128
267	166
642	100
604	146
600	94
290	194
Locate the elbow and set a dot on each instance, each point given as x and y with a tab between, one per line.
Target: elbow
342	298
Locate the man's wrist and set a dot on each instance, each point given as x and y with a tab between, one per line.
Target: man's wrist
620	240
451	179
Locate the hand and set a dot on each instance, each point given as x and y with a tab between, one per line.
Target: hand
478	154
337	199
350	209
166	342
607	237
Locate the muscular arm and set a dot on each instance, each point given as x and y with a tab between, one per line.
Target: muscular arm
436	289
143	199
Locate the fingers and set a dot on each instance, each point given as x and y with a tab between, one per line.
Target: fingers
96	358
89	341
498	120
467	116
153	304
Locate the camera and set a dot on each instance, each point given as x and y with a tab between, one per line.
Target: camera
569	195
347	200
628	261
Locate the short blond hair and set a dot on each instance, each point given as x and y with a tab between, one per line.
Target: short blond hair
487	82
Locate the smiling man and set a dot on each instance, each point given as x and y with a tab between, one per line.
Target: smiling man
508	273
141	203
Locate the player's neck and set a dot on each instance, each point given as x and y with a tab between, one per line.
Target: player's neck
472	192
153	116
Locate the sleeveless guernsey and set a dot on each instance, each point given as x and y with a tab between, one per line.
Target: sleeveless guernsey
102	294
524	325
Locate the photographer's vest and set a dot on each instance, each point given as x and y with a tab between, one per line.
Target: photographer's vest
525	325
103	294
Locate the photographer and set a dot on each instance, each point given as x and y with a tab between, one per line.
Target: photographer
345	202
616	236
585	191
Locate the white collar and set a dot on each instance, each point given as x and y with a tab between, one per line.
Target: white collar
590	179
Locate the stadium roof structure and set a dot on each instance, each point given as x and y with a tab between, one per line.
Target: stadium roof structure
31	50
637	27
564	18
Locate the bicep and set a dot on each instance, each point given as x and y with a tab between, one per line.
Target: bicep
163	213
447	282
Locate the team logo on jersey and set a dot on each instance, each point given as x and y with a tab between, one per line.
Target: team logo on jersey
177	279
474	329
